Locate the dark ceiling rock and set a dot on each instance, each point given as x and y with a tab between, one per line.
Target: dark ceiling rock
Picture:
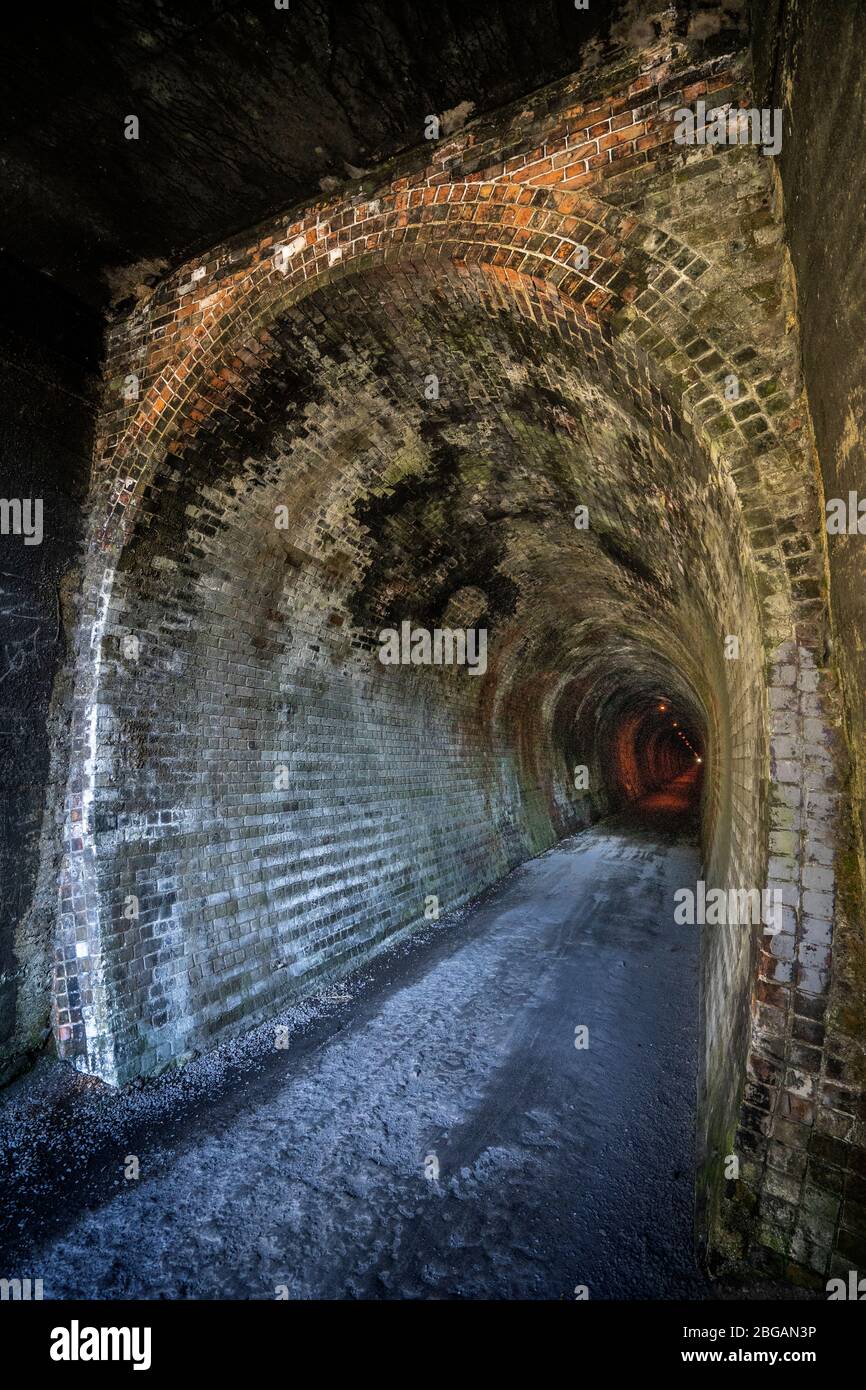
243	109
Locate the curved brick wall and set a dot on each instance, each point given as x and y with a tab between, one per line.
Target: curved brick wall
261	640
273	800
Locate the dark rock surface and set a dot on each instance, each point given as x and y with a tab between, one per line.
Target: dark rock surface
49	350
245	109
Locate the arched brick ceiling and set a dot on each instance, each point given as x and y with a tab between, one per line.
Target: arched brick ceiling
404	503
647	297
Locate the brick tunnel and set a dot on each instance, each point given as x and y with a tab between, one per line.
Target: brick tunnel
453	545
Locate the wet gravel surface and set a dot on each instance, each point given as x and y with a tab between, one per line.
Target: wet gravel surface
312	1171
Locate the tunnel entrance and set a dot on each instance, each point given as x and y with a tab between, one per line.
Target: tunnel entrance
423	407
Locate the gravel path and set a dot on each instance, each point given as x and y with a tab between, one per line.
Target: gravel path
304	1170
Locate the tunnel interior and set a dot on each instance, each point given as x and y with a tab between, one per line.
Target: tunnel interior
278	800
440	422
431	522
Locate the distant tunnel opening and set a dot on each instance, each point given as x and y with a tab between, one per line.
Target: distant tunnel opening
654	744
644	740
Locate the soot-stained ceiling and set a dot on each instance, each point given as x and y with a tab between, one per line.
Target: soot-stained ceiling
245	109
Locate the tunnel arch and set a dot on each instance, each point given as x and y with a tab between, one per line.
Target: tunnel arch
649	349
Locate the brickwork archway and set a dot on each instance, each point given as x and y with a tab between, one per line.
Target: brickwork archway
480	248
